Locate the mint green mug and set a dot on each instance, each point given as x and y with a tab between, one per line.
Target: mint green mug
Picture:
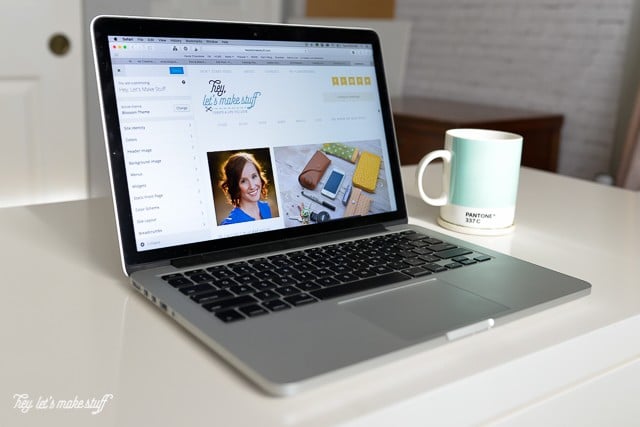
480	176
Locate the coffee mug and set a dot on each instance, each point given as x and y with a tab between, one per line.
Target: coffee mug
479	180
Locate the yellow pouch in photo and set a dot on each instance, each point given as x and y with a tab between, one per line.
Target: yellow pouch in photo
366	173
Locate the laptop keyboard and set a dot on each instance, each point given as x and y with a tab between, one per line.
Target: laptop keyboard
246	289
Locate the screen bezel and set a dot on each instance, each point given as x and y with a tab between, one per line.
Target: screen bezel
104	26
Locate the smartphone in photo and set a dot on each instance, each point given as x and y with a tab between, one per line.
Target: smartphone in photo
332	186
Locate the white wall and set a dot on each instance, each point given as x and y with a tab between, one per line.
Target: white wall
249	10
561	56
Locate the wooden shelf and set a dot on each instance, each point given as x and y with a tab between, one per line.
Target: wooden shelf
421	124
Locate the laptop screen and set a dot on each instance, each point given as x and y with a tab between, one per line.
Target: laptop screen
228	137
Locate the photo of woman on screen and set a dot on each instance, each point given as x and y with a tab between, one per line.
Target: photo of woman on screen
245	185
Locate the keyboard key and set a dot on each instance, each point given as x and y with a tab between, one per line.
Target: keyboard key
283	262
299	257
287	290
286	271
367	272
322	272
210	296
416	272
413	261
301	299
435	268
263	285
229	316
377	261
482	258
313	253
247	279
345	277
181	281
224	283
432	241
276	305
266	274
302	267
266	295
303	277
194	272
242	269
220	272
419	243
201	277
284	281
381	269
241	289
429	258
420	251
308	286
412	235
333	250
261	264
327	281
360	285
397	265
229	303
441	247
453	265
322	263
408	253
252	310
188	290
454	252
468	262
405	246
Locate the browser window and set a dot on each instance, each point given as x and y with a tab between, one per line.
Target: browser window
230	137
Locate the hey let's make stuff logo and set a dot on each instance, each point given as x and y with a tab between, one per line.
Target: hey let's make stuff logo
218	99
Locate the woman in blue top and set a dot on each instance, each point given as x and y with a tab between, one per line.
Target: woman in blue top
245	184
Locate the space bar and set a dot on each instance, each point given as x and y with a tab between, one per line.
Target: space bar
360	285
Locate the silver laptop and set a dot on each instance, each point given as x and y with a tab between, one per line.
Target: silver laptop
259	203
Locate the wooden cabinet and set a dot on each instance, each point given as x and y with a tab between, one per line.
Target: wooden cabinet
422	122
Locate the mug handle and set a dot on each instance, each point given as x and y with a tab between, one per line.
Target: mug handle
445	155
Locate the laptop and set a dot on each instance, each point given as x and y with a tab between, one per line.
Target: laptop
259	202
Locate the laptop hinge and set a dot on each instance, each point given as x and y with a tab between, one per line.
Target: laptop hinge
274	246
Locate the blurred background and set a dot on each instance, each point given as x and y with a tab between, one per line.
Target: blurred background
564	73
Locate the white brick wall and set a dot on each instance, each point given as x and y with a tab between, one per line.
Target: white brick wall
561	56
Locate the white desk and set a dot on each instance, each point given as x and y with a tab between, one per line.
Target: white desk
70	326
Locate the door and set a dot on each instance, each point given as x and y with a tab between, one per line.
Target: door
42	107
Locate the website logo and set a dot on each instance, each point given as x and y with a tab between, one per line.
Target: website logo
218	100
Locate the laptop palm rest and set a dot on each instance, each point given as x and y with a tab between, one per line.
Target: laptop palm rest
421	310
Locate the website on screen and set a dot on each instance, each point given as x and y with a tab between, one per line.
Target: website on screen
225	137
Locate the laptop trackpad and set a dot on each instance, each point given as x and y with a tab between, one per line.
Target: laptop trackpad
417	311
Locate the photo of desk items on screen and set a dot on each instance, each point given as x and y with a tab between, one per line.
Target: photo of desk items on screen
324	164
